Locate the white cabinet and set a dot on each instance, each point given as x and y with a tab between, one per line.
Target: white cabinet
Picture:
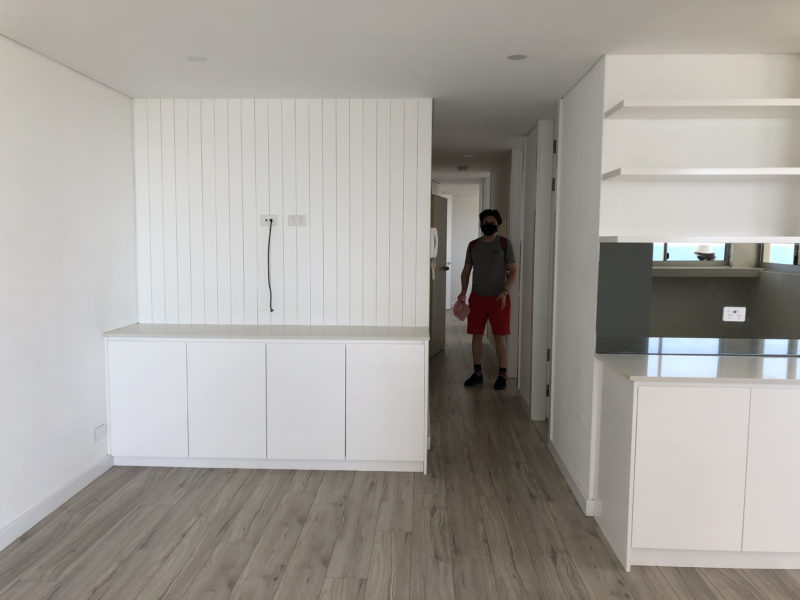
771	517
385	402
691	455
227	400
147	397
305	409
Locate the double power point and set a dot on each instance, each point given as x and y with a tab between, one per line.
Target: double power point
734	314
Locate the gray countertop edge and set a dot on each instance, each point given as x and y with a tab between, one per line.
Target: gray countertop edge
175	332
633	373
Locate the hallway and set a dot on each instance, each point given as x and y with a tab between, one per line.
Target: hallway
493	519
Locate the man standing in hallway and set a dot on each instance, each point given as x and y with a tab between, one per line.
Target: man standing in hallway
491	260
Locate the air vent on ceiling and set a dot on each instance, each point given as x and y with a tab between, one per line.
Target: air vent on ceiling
462	167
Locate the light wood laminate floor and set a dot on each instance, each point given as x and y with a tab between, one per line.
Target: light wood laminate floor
493	519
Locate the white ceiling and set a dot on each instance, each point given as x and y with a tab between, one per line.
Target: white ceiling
452	50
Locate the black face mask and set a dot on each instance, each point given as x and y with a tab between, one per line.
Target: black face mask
488	228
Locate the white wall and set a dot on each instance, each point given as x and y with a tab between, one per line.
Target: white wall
465	228
359	169
573	424
67	266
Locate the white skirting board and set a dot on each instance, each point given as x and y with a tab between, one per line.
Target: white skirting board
715	559
586	504
244	463
28	519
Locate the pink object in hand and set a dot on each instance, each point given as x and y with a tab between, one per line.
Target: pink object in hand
461	308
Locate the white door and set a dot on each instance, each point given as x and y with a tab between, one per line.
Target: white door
147	397
439	272
386	402
772	518
306	401
227	400
689	474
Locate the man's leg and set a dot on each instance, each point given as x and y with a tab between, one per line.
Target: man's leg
501	346
477	348
476	325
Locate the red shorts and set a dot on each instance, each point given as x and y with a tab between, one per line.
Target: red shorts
482	308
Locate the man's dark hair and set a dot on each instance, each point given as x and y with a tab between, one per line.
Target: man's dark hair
490	212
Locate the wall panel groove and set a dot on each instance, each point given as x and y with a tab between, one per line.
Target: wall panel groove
357	169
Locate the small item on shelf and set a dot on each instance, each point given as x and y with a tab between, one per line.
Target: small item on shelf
704	252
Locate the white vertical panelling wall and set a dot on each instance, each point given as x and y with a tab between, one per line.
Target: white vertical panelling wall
358	168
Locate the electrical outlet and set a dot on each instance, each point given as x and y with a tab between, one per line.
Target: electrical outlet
100	432
734	314
297	220
264	220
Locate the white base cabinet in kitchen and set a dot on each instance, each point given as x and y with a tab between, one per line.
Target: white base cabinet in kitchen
284	397
385	421
691	456
227	408
699	472
147	399
305	407
772	504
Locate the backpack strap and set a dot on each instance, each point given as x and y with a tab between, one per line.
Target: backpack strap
471	245
504	244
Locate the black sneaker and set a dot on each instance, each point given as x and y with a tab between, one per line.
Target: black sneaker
500	383
474	379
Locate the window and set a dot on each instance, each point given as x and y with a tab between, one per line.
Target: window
785	255
682	253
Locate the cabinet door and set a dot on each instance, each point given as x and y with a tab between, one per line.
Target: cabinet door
227	400
691	455
772	518
305	404
147	389
385	402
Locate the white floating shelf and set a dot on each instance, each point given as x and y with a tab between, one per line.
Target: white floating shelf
751	108
654	174
659	238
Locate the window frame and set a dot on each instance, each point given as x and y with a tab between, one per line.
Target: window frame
779	267
725	262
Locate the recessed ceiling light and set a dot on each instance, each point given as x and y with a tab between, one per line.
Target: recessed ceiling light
469	156
196	59
517	57
479	125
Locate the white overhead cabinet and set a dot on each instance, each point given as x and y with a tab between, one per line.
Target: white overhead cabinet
385	417
771	516
147	396
306	407
227	400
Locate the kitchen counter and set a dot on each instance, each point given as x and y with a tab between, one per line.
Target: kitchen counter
731	369
699	346
170	331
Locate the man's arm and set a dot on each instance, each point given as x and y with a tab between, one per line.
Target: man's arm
465	278
511	269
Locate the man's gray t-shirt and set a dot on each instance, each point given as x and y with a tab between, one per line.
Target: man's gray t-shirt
489	262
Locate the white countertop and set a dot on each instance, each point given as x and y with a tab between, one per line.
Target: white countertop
695	368
177	332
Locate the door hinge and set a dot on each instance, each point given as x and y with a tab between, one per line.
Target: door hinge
548	355
553	185
555	146
547	390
